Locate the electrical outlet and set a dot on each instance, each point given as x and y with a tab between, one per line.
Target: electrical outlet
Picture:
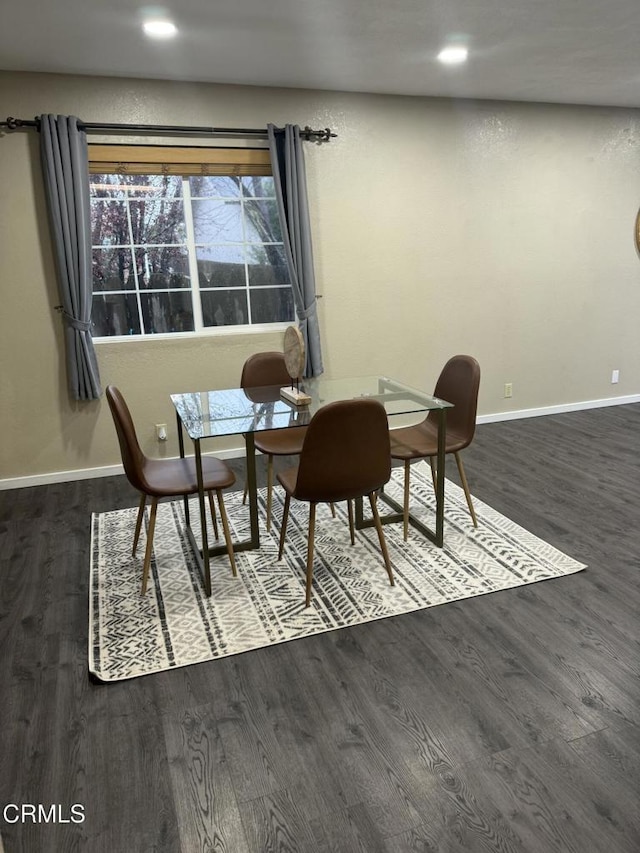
615	376
508	389
161	432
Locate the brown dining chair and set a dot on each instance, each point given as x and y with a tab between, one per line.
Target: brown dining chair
268	369
160	478
458	383
345	455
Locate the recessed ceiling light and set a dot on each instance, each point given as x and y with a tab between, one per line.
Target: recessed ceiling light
158	29
453	55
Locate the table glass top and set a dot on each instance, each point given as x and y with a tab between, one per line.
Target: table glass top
233	411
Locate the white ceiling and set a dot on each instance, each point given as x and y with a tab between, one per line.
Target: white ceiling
563	51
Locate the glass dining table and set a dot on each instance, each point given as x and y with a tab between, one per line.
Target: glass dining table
205	415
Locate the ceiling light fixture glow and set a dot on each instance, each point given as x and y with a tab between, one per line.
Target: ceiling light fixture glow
453	55
160	29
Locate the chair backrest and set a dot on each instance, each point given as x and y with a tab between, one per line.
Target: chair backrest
458	383
264	368
346	452
133	458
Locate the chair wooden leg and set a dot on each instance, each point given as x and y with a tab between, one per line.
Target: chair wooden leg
136	535
312	527
351	524
149	548
227	535
383	543
465	486
405	514
333	509
283	527
269	489
212	507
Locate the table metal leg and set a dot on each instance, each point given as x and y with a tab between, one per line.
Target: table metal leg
203	521
181	449
436	536
252	490
203	555
442	434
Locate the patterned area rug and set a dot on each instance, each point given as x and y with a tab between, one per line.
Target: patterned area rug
174	624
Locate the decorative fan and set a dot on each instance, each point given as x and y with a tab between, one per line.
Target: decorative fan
294	359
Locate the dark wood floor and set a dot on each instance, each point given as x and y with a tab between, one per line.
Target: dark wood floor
507	722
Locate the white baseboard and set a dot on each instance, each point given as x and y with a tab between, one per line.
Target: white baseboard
557	410
90	473
236	452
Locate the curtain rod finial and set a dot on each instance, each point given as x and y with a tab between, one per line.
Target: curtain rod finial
319	135
12	123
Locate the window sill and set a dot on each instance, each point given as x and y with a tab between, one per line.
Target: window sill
214	332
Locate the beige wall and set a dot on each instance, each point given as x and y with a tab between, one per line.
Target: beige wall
499	229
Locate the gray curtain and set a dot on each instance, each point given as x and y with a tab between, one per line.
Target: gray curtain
287	161
63	147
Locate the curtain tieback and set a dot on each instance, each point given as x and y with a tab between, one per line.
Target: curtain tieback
78	325
308	311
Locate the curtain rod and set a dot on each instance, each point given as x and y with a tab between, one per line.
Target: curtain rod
169	129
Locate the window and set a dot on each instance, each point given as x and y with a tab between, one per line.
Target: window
184	240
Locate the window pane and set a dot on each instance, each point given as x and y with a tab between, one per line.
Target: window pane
167	312
217	221
205	186
221	266
154	186
272	305
263	222
258	186
107	186
162	267
113	269
146	186
224	308
267	265
115	314
109	223
157	221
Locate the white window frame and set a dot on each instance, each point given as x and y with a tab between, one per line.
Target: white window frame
184	162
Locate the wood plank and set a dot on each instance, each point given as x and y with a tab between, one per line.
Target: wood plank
277	823
202	787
